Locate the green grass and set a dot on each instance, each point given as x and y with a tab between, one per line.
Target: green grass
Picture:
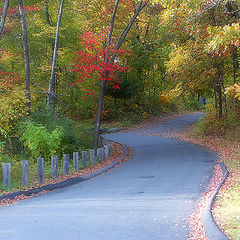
227	211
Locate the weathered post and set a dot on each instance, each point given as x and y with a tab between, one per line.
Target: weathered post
76	161
40	170
92	157
100	154
25	173
99	157
103	154
54	167
109	148
6	175
84	158
106	150
66	164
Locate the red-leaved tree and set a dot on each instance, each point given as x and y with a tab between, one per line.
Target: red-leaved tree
108	63
91	64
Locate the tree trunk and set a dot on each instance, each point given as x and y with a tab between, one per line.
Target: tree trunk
26	55
235	63
219	92
54	60
54	97
225	104
47	13
4	16
121	39
103	83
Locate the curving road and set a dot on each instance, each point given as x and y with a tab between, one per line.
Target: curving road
148	198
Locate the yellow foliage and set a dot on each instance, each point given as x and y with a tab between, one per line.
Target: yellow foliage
167	96
234	91
12	107
45	29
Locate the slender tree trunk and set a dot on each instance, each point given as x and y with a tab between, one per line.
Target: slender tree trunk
4	16
26	55
54	60
49	22
225	104
47	12
235	63
54	97
121	39
219	92
103	82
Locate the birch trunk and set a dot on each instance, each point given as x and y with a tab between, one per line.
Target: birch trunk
54	60
4	16
26	55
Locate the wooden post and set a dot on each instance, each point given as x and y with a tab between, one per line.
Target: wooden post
76	161
66	164
109	149
84	158
106	149
100	154
92	157
40	169
25	173
99	157
6	175
103	154
54	167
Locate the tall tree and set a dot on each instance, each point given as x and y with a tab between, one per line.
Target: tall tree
51	93
26	55
142	4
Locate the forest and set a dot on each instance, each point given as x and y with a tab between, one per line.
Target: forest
70	68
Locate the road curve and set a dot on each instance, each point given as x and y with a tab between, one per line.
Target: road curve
148	198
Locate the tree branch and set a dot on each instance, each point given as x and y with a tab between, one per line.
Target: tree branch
4	16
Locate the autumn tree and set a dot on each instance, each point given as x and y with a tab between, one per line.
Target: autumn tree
109	58
51	92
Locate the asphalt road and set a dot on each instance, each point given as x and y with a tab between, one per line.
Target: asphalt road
148	198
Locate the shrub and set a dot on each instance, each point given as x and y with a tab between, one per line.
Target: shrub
39	140
12	108
211	124
67	136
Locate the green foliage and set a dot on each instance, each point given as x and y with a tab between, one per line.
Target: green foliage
46	135
39	140
129	86
212	125
12	108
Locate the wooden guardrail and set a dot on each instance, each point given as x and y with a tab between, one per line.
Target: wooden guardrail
102	154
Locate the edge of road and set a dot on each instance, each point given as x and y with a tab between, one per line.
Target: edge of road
210	227
68	182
